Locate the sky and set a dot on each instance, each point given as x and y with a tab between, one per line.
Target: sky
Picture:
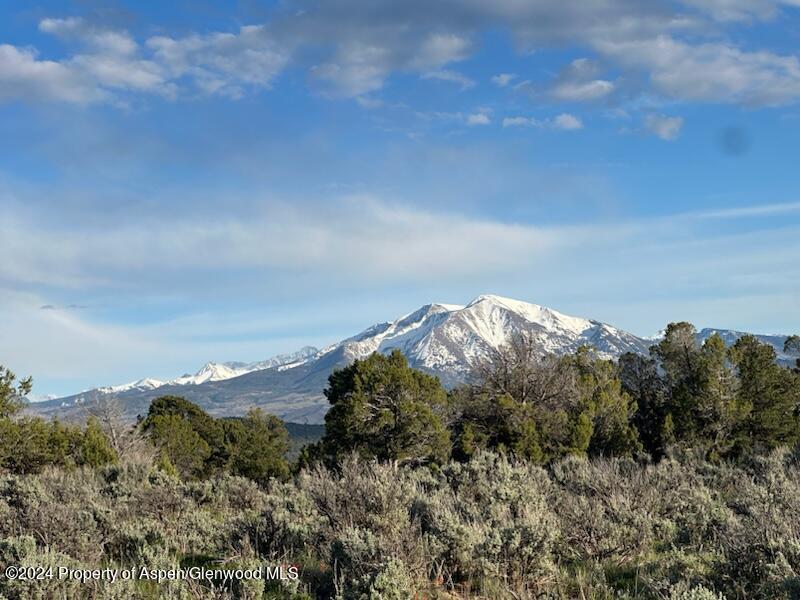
190	181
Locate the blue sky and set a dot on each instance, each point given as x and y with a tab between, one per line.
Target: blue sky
193	181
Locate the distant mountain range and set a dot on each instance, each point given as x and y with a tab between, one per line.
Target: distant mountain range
443	339
213	371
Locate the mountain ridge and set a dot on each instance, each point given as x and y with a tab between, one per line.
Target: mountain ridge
446	340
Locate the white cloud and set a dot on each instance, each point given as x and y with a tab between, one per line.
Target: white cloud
111	61
480	118
358	69
120	72
361	66
522	122
438	49
222	63
764	210
667	128
564	121
116	42
567	122
582	91
675	48
740	10
711	72
391	241
24	77
579	81
666	43
451	76
503	79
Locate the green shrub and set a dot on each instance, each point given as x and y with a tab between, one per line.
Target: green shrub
489	520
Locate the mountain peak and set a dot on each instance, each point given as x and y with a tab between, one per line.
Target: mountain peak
494	299
447	340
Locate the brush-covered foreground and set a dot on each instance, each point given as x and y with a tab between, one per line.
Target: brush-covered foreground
674	476
492	527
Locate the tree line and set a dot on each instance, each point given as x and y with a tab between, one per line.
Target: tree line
722	402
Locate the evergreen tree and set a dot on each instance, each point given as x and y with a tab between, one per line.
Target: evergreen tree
521	400
480	420
180	443
208	429
678	357
702	396
12	392
543	407
258	444
95	448
605	406
640	378
382	408
769	393
792	346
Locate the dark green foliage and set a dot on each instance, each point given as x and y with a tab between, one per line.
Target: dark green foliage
722	402
769	394
178	442
482	421
29	444
606	408
382	408
12	392
519	402
209	430
702	389
640	378
543	407
792	346
257	445
196	445
300	436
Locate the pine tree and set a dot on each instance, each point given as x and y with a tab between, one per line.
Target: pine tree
792	346
609	408
258	444
178	441
95	448
171	409
640	378
12	392
770	394
382	408
701	385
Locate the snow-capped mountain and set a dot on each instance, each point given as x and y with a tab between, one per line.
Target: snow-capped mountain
444	339
142	384
213	371
450	339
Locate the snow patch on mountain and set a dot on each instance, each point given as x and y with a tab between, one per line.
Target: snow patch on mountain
213	371
141	384
451	339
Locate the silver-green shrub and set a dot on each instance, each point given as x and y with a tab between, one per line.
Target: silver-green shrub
489	520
